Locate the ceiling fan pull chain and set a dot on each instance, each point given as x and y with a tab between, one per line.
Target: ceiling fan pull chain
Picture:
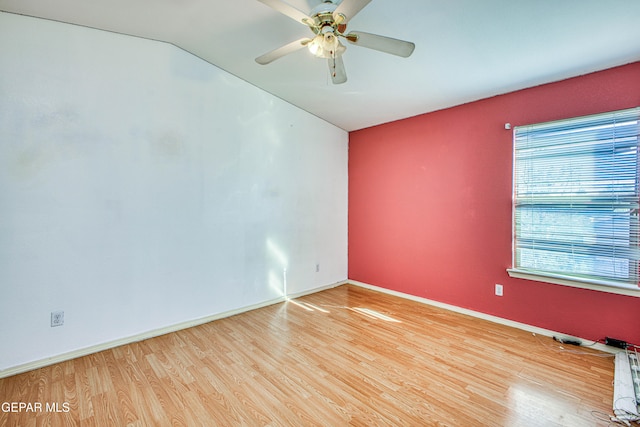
333	63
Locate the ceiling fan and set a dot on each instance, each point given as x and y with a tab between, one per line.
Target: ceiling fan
328	21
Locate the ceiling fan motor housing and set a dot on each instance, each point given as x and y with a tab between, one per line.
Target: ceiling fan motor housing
324	7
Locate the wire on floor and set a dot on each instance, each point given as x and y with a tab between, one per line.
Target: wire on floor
561	349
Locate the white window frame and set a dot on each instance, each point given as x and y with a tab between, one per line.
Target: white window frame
558	277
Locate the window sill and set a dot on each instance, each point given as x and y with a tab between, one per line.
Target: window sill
613	288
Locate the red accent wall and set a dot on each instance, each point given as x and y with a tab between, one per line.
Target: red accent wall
430	207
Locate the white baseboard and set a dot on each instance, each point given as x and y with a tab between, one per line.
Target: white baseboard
318	289
153	333
480	315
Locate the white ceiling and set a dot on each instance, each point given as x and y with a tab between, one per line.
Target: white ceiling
465	49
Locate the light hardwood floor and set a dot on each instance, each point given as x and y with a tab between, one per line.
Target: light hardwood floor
345	356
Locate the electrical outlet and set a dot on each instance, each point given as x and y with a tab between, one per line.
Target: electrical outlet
57	318
317	268
499	290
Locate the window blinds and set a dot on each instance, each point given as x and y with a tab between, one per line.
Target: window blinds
576	198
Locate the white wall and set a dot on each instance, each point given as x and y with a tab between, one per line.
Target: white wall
142	187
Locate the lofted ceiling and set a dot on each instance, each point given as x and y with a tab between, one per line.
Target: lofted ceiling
465	49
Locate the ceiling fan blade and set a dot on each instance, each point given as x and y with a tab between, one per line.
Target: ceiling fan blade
348	9
336	68
282	51
383	44
287	10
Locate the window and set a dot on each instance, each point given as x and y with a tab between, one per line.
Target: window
576	200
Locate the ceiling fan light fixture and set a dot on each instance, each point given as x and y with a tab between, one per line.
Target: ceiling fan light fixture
326	44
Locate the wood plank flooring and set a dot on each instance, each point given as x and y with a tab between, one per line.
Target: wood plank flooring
345	356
